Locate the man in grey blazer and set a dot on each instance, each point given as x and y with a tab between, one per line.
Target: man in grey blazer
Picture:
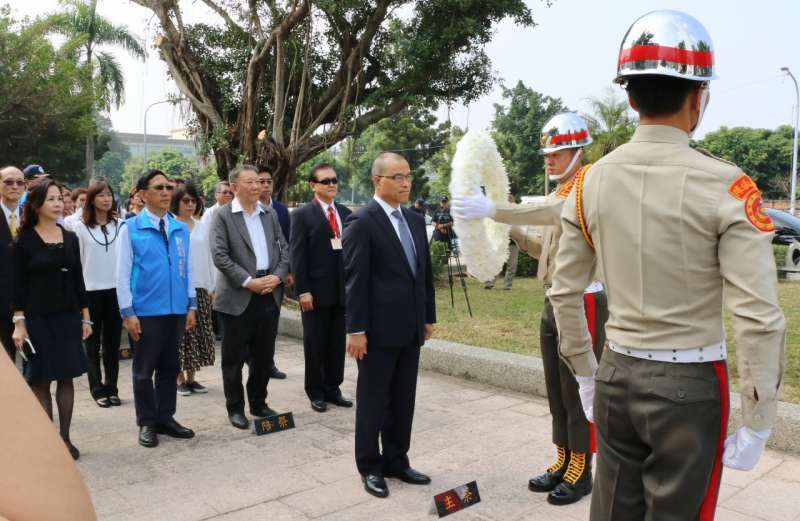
252	255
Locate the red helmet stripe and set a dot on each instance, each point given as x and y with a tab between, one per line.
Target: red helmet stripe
671	54
566	138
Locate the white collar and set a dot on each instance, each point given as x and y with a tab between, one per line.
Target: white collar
236	207
325	205
386	206
7	211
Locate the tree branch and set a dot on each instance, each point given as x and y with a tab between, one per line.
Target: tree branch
225	16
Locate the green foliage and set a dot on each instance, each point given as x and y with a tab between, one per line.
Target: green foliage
765	155
439	260
527	265
336	68
611	124
45	113
176	166
517	128
438	165
86	31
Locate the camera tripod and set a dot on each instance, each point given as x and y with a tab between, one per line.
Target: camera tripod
451	253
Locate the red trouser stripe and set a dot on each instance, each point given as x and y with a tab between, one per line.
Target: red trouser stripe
591	319
709	505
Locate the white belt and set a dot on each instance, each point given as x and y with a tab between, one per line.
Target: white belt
711	353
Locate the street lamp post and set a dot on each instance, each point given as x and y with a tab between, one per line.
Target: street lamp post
793	194
173	101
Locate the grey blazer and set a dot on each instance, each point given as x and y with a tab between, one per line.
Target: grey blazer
233	255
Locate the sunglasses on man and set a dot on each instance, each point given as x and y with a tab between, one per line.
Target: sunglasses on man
329	181
12	182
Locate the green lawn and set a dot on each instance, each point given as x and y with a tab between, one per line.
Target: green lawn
509	321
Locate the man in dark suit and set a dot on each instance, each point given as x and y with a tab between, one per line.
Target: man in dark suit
11	189
267	183
250	252
316	254
390	314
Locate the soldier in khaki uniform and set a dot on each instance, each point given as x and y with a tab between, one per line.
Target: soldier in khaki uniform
563	138
672	231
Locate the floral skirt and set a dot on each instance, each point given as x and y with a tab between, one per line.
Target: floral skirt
197	347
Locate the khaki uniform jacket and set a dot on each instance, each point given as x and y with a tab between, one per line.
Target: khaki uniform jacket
675	232
547	213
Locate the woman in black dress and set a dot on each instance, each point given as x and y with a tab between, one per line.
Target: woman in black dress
51	314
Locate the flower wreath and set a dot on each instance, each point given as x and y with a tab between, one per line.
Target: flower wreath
484	243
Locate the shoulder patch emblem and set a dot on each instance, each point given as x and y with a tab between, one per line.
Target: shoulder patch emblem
742	187
564	191
755	213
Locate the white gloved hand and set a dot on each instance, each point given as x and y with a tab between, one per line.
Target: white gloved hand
586	391
744	448
468	207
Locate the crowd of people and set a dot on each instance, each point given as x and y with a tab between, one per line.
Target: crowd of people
175	276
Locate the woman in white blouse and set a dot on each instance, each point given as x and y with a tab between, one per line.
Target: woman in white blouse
97	232
197	347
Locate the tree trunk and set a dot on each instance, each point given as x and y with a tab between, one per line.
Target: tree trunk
89	157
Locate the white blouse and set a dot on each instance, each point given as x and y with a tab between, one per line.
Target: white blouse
200	256
99	248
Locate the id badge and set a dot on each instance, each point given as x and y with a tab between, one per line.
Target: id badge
336	244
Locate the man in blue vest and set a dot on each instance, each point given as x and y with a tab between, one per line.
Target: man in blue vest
157	302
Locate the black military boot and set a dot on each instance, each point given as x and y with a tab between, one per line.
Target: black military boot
577	481
554	474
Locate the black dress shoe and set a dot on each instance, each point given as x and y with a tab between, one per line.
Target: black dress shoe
277	373
174	429
375	484
147	436
566	493
319	405
238	420
411	476
262	411
545	482
341	401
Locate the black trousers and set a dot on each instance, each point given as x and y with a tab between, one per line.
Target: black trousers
385	397
106	332
570	428
156	352
324	347
6	330
249	338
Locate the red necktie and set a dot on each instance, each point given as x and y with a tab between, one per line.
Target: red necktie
332	221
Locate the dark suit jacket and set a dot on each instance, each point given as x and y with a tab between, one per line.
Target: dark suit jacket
283	218
6	273
383	298
316	266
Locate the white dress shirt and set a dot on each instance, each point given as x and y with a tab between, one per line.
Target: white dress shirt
209	214
200	256
71	221
256	231
325	207
7	213
395	221
125	265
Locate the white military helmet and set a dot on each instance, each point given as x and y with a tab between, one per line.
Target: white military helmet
667	43
565	130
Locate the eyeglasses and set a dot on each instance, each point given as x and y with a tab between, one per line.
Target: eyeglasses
188	200
162	188
399	178
329	181
226	192
12	182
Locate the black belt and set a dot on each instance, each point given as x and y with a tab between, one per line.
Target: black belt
262	273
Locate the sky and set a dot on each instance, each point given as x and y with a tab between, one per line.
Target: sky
570	54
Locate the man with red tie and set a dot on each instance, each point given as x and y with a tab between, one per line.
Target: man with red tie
316	257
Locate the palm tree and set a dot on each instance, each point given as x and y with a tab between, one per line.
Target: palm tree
611	124
87	32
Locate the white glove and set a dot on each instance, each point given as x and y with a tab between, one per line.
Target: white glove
469	207
744	448
586	391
